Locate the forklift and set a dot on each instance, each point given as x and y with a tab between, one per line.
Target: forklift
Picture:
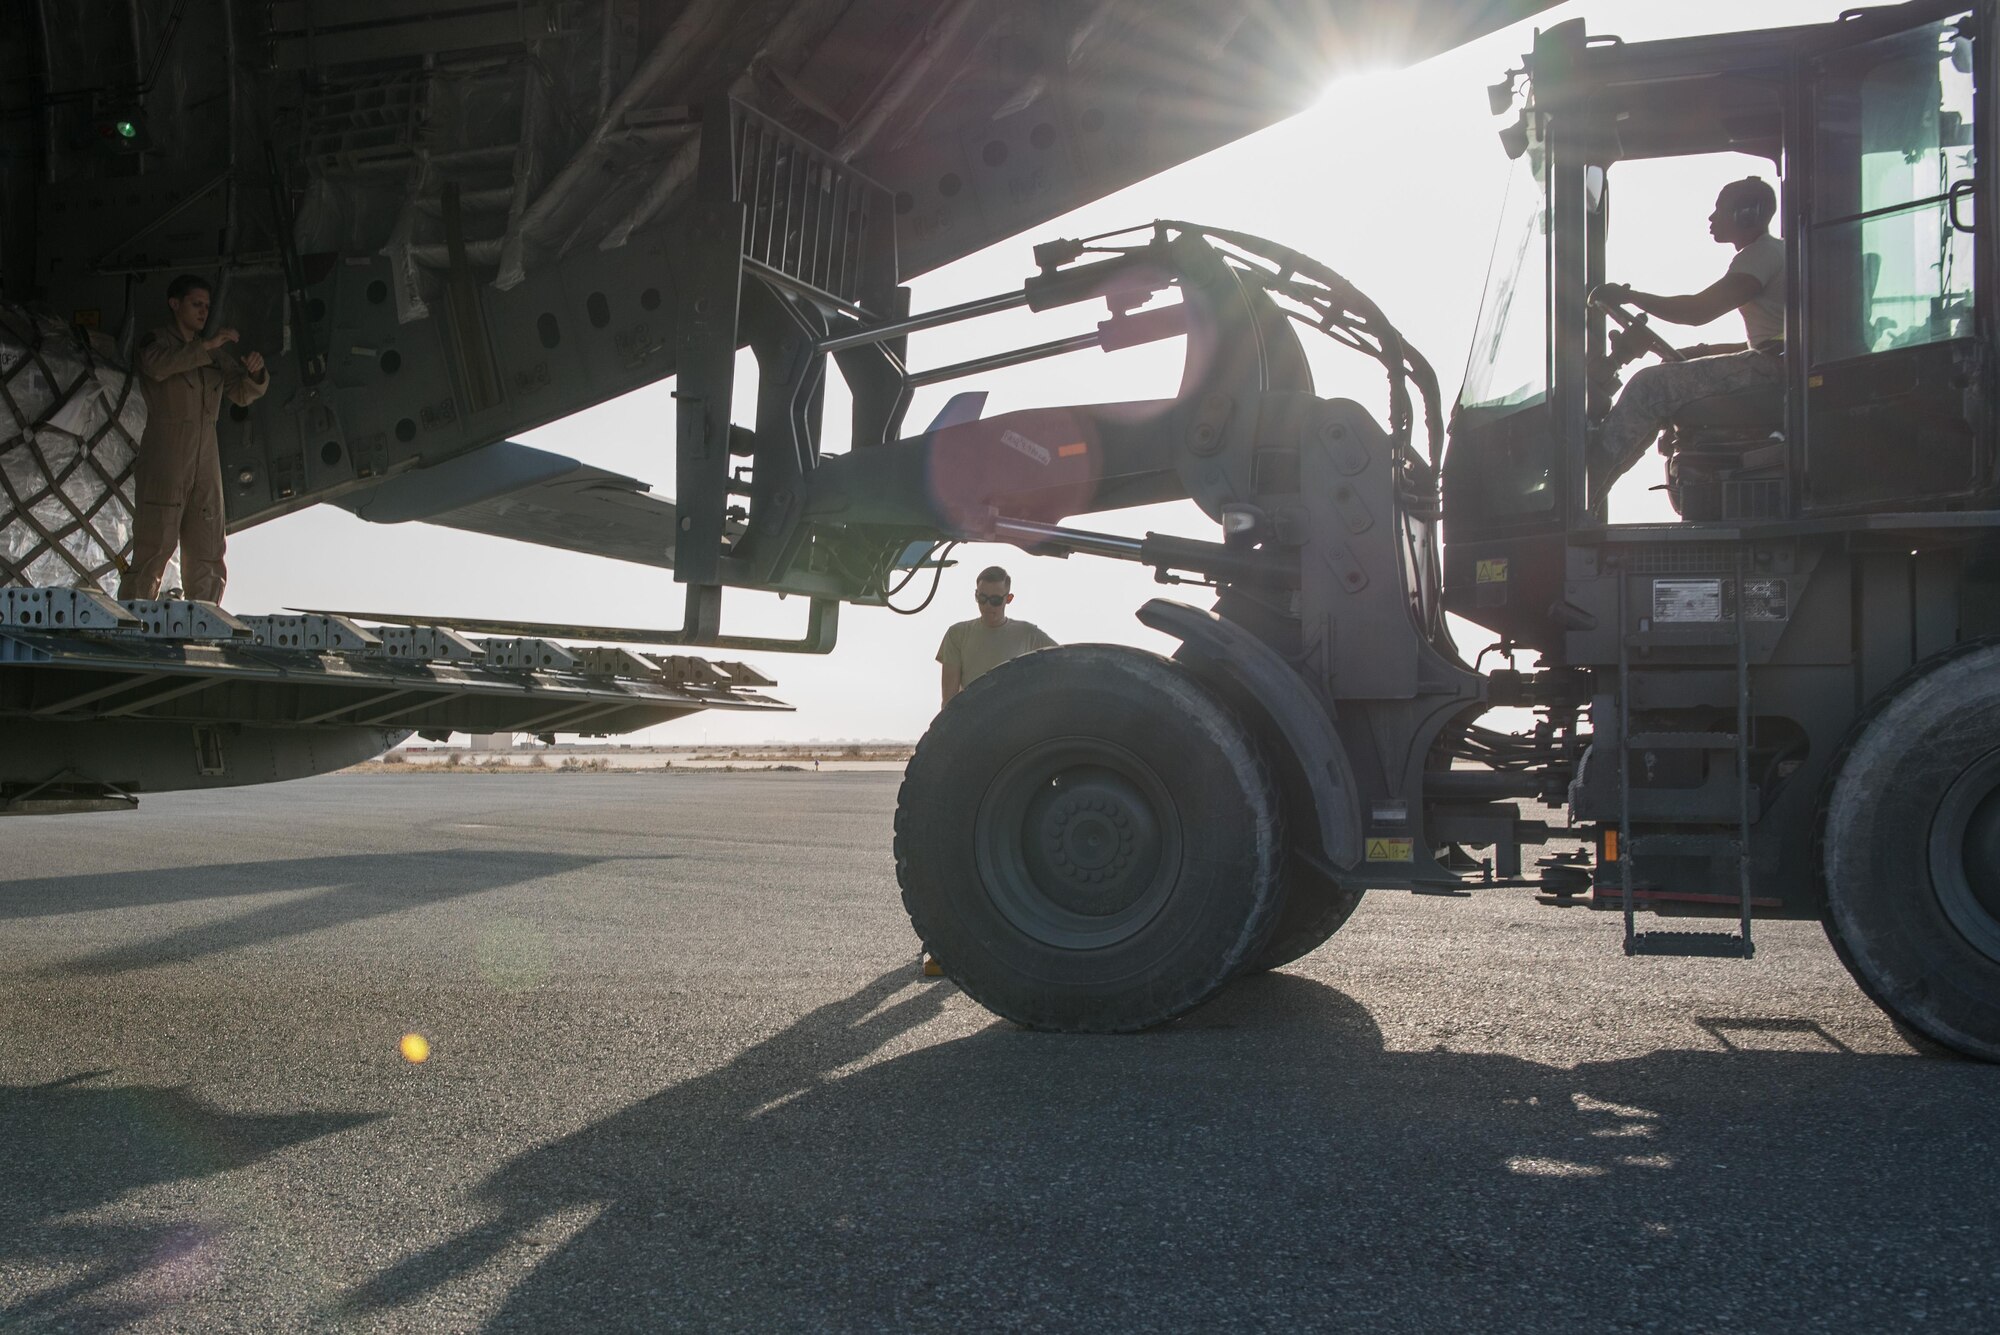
1785	704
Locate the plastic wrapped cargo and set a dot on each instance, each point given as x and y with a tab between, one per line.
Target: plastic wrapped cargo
70	421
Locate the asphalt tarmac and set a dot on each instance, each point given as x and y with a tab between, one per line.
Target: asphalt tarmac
683	1074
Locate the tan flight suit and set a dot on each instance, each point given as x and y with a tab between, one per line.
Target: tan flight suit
177	483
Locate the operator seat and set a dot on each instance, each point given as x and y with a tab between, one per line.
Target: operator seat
1726	455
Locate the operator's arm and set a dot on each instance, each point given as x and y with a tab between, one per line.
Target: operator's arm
1713	302
162	356
951	659
243	382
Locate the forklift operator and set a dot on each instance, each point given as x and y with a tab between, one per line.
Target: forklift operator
1754	284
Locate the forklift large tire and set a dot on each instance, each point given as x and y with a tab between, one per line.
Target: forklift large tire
1089	841
1909	847
1313	906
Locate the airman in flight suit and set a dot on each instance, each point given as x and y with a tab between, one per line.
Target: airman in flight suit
177	482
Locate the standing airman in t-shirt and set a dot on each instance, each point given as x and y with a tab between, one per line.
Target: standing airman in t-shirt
1754	285
971	649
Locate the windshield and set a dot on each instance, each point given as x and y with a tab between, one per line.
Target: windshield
1509	363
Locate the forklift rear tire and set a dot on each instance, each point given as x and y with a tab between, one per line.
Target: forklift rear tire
1089	841
1313	906
1909	846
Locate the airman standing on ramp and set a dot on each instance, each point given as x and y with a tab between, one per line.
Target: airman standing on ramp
177	483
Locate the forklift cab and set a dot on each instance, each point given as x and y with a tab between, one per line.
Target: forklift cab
1874	128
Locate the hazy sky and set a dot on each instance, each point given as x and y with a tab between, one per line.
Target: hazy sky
1395	179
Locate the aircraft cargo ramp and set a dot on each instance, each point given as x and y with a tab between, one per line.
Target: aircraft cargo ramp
101	701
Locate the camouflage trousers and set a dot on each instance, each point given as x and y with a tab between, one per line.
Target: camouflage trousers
1656	393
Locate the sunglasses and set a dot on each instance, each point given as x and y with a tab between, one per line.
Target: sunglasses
991	599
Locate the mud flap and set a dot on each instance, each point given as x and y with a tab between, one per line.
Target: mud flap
1285	711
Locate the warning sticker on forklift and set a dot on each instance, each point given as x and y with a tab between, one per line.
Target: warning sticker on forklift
1711	600
1014	440
1765	600
1391	850
1491	572
1686	600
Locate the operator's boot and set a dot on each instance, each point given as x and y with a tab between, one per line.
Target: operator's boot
932	969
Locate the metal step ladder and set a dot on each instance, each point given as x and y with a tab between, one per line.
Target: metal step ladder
1728	945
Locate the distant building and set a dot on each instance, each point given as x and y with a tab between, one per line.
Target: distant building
492	741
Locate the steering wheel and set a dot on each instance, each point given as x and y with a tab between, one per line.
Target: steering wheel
1634	337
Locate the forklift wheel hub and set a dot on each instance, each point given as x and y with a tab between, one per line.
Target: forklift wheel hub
1078	843
1965	854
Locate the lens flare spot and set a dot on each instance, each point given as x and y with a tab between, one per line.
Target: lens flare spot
416	1048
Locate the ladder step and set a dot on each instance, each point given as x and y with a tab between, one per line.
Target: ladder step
1703	945
1686	845
1682	741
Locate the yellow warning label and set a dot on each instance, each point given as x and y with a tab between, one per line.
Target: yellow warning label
1815	381
1391	850
1492	572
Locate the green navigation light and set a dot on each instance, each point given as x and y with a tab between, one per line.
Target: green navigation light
127	130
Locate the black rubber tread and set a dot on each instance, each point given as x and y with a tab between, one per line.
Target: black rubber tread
1229	811
1871	845
1312	907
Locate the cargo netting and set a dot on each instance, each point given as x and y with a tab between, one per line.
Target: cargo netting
70	422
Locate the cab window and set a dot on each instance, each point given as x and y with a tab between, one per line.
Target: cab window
1892	206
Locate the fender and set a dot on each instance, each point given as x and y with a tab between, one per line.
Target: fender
1267	684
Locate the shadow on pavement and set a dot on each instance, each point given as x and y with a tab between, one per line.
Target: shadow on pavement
1264	1162
69	1147
345	888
